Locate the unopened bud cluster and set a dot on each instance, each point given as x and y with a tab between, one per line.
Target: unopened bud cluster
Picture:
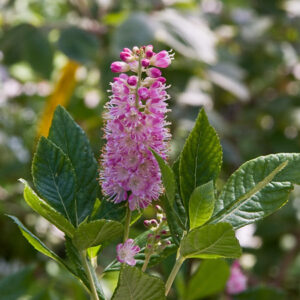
158	239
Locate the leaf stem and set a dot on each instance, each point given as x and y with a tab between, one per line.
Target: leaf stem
178	263
93	290
127	224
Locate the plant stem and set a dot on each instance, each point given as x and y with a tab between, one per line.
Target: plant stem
178	263
147	259
93	290
127	224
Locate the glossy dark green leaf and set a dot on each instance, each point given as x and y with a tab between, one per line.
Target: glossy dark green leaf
209	279
72	140
46	211
111	211
211	241
174	222
136	285
175	168
201	157
258	188
168	178
201	204
79	44
54	178
96	233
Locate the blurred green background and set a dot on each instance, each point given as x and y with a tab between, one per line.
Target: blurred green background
239	59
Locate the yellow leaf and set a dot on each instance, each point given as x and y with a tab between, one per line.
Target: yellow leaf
61	95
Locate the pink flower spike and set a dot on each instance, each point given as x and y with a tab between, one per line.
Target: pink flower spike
143	93
161	60
129	172
153	72
127	251
119	66
237	281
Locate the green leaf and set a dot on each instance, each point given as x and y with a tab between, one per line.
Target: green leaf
209	279
261	293
79	44
75	262
175	168
72	140
201	204
111	211
168	178
258	188
96	233
16	285
46	211
180	211
211	241
34	49
93	251
201	157
126	34
54	178
174	223
37	243
179	206
78	269
135	285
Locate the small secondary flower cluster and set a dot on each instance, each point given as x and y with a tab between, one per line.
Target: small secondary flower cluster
135	123
237	281
127	251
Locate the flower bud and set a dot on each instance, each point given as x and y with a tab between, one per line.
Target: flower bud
149	51
158	208
119	66
132	80
161	79
147	223
154	223
153	72
125	56
161	59
145	63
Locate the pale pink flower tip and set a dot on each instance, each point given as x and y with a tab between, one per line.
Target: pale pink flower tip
237	281
119	66
127	251
161	59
